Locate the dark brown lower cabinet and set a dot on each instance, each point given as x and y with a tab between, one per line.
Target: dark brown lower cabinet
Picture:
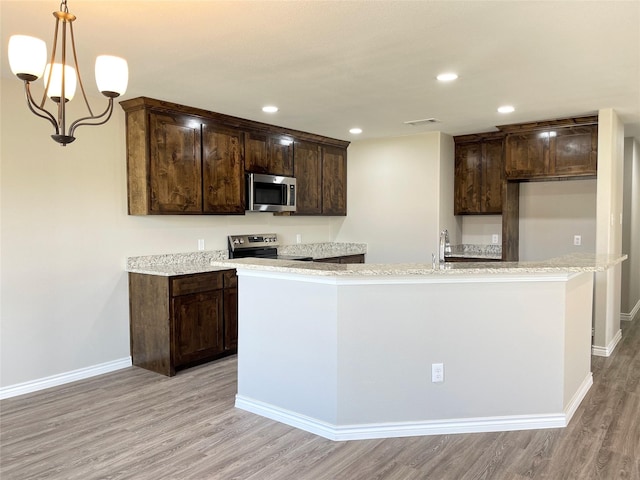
230	311
197	324
180	321
358	258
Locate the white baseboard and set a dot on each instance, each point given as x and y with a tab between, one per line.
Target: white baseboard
577	398
62	378
628	317
420	428
608	350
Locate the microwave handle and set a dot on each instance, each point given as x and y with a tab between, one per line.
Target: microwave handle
291	197
249	191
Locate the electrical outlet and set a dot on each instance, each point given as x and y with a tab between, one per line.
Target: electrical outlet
298	238
201	244
577	240
495	239
437	372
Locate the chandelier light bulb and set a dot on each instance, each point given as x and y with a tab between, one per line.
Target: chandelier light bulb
27	57
55	84
112	75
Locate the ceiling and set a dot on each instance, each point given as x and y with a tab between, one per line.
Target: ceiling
333	65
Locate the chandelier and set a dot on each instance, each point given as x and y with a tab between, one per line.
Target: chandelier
28	61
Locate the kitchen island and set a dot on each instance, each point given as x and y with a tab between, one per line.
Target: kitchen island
346	351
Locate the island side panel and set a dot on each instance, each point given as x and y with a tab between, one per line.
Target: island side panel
287	344
501	344
577	367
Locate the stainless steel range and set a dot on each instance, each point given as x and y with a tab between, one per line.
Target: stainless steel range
263	245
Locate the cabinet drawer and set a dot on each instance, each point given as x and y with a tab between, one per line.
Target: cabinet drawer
200	282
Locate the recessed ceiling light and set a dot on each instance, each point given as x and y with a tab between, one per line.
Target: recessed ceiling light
270	109
447	77
506	109
424	121
355	131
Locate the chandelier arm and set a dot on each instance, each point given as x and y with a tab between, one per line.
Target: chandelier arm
75	59
35	109
53	59
83	121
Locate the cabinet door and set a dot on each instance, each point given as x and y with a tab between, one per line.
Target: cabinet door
492	177
527	154
198	331
573	151
281	155
256	148
230	310
230	319
468	177
265	153
223	170
334	181
307	168
175	167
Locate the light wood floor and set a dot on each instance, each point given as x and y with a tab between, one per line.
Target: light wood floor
134	424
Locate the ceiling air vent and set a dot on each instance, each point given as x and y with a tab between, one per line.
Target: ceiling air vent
425	121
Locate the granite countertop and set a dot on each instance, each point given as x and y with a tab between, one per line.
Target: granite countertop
488	252
172	264
566	264
323	250
177	263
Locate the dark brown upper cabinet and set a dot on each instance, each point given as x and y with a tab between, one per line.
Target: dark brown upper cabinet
223	169
175	165
269	153
307	168
184	160
321	175
552	150
334	181
478	175
179	163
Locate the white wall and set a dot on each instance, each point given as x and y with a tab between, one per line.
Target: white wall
394	187
551	213
608	230
630	301
65	236
479	229
447	168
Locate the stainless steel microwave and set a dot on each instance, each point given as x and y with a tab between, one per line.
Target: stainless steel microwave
270	193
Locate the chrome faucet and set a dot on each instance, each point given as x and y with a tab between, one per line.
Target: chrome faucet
445	247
